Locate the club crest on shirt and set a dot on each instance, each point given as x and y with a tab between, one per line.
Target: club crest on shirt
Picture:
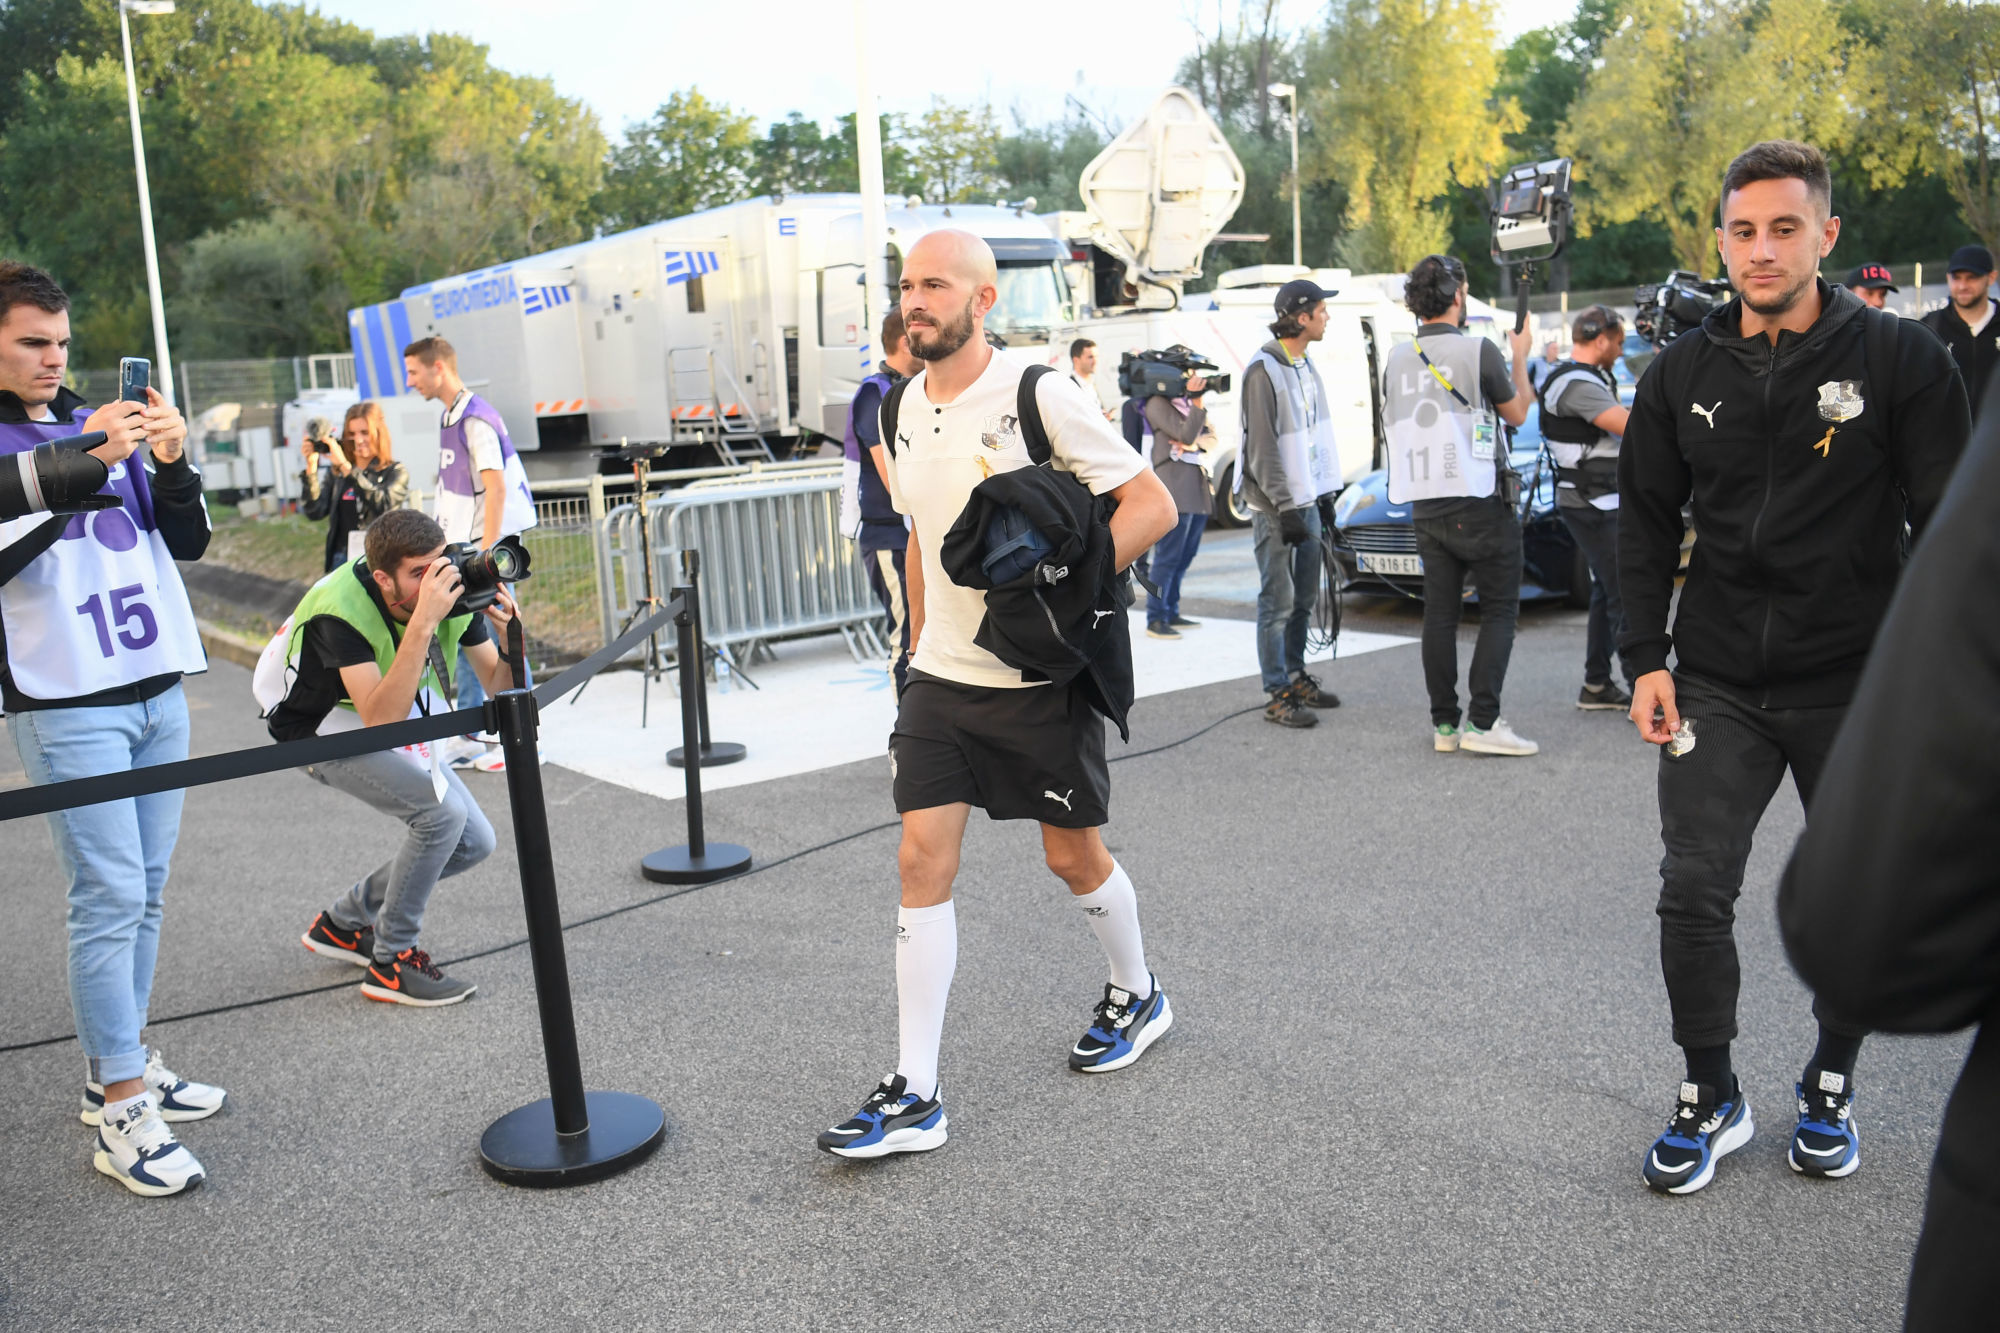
1000	432
1840	400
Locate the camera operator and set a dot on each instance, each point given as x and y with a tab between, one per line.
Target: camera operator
1178	427
368	645
1582	421
1804	428
1288	463
1448	460
95	634
1965	323
356	483
482	489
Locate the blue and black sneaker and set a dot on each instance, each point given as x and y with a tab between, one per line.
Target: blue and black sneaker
1124	1026
1702	1129
893	1119
1826	1142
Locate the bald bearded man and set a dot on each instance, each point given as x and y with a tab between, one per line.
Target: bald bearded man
969	729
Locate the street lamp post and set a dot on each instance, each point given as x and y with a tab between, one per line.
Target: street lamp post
1290	92
163	378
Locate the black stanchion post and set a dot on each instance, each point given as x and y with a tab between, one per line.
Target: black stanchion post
570	1136
713	753
699	861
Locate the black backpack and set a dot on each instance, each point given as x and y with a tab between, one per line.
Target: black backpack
1026	411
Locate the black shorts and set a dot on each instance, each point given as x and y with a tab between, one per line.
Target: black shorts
1034	753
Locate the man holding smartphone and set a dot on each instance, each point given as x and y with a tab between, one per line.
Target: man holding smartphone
95	634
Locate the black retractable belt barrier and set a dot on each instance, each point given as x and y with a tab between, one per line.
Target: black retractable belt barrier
713	753
700	860
570	1136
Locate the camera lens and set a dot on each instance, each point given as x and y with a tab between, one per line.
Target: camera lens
506	563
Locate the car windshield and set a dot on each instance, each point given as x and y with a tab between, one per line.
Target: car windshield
1031	298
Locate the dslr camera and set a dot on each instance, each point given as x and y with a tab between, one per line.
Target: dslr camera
481	572
1165	373
55	477
1669	309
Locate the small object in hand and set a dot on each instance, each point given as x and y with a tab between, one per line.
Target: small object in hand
1683	740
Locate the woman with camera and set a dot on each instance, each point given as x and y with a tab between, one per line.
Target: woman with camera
357	482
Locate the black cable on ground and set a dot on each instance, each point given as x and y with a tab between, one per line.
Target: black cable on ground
593	919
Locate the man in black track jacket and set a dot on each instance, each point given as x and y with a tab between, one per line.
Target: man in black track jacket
1805	429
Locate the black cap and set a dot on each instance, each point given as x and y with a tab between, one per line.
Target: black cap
1300	295
1970	259
1871	275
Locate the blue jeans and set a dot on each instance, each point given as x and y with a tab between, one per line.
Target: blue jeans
1288	585
445	838
1172	555
115	854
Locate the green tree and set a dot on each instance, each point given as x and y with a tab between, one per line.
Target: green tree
954	153
1403	93
1930	87
262	287
1683	87
1044	162
693	154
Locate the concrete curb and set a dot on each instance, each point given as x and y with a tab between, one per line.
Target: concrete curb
229	645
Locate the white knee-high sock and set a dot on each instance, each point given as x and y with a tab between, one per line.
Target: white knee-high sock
926	956
1113	909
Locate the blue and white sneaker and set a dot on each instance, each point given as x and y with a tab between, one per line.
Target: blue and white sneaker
1826	1142
174	1097
1122	1029
139	1152
1702	1130
892	1120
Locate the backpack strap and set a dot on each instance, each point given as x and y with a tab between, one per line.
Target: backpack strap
1029	413
1880	332
892	401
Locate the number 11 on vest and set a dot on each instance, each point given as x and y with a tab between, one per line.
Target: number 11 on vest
133	619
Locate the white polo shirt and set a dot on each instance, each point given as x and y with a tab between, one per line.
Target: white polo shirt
943	451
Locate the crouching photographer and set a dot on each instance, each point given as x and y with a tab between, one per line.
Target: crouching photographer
374	642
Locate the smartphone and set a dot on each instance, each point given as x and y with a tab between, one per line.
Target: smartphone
135	374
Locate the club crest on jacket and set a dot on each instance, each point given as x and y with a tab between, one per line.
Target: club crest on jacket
1840	400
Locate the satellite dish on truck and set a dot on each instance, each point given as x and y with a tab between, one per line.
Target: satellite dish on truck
1161	192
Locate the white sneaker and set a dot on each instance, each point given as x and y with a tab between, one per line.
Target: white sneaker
459	751
173	1096
1445	738
1496	739
495	760
139	1152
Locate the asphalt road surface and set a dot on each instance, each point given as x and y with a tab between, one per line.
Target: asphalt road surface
1421	1046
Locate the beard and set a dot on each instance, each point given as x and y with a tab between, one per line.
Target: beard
935	343
1783	301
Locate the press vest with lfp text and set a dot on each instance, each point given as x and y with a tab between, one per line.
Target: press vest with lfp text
1306	450
104	607
459	486
1439	448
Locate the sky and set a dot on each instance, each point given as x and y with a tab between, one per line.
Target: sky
623	57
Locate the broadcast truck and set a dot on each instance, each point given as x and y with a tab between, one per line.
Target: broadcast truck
739	329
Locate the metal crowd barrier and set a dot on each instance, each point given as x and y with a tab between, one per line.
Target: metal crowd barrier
774	563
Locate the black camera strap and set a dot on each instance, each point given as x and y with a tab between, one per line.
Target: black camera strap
1438	375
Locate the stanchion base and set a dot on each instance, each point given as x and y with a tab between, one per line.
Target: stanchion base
523	1148
673	865
716	755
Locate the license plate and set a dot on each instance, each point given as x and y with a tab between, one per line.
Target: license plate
1409	565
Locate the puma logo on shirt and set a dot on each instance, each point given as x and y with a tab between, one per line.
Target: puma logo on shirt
1706	413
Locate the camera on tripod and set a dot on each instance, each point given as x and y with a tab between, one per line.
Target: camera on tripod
1669	309
481	572
1165	374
